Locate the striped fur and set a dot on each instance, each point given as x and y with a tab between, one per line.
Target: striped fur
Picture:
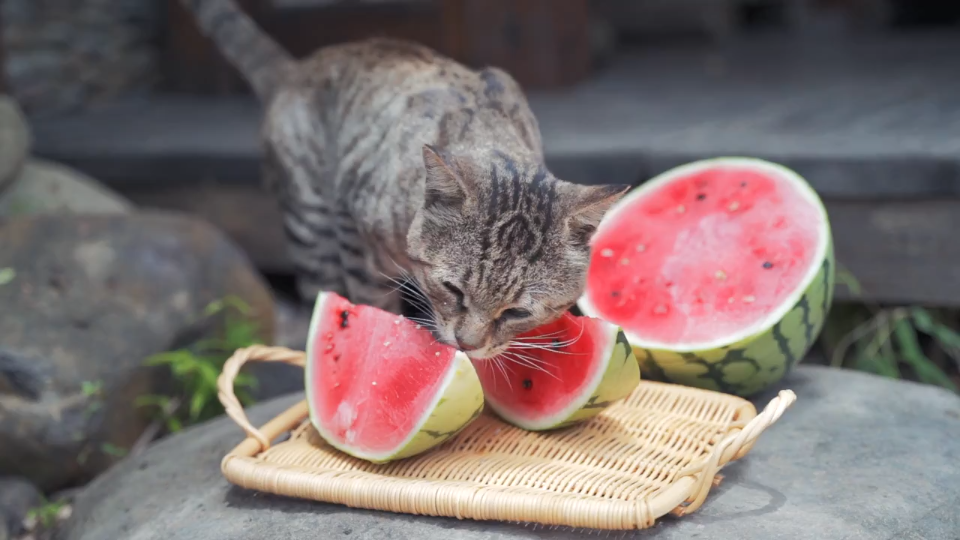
391	161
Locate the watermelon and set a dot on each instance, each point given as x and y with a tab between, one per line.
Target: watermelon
560	373
720	272
379	387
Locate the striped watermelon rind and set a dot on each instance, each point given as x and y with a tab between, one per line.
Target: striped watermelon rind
458	402
760	356
618	377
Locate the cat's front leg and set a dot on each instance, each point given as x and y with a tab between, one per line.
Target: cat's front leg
309	229
364	280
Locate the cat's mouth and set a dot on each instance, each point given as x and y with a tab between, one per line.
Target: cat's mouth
486	353
483	353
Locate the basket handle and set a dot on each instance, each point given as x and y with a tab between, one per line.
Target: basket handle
733	447
231	368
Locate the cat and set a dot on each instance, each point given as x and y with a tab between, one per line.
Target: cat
391	161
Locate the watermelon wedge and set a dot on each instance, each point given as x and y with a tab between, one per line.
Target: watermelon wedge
380	387
560	373
720	272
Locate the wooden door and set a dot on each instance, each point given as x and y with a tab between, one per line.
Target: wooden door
543	43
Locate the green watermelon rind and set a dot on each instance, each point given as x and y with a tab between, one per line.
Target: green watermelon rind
757	357
613	381
458	402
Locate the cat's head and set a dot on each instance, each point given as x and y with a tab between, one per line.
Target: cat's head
500	246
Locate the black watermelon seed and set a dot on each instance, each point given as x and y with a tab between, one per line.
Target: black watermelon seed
615	294
701	196
743	184
768	265
528	384
343	318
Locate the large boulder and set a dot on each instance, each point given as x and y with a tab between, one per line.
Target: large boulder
17	498
84	300
15	140
857	456
43	187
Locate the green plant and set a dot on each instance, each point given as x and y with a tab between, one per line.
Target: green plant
46	514
910	342
7	275
113	450
94	390
196	368
91	388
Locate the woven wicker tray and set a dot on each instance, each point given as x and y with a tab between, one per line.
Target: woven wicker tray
657	452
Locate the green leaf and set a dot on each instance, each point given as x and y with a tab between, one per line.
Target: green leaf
939	331
847	278
207	345
7	275
91	388
173	424
238	304
46	514
196	405
171	358
239	335
208	374
927	370
161	402
213	308
113	450
881	364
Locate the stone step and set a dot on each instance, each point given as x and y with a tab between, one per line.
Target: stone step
873	123
867	117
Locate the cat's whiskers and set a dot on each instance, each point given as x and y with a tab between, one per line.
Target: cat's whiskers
553	346
555	349
499	365
540	336
526	361
537	361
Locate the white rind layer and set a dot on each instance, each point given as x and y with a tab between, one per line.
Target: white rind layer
803	189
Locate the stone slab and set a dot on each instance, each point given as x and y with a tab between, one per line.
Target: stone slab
875	116
856	457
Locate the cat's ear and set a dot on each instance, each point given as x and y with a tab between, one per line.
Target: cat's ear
589	205
446	190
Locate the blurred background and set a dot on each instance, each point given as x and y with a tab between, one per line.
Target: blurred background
121	108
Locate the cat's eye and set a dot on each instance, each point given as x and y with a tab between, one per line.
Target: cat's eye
514	313
454	290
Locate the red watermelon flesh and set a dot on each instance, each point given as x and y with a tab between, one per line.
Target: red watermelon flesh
556	370
704	255
371	375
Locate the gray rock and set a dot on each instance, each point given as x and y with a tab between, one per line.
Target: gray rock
86	300
43	187
15	140
857	456
17	497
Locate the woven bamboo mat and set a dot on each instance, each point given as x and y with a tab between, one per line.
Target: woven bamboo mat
657	452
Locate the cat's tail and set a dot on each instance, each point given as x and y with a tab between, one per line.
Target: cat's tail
260	60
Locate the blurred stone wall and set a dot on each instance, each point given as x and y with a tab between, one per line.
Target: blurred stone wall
67	54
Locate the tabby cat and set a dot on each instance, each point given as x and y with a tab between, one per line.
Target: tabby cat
391	161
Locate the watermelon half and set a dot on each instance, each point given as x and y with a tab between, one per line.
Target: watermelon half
720	272
380	387
560	373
